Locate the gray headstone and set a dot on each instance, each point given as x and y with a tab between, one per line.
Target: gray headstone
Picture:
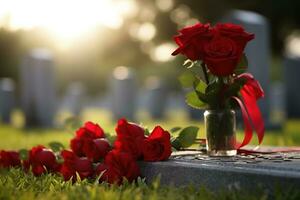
156	97
38	88
277	94
291	81
123	88
74	97
7	99
257	51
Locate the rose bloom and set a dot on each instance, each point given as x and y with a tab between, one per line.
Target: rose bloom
129	138
191	41
86	142
157	146
41	160
74	164
9	159
224	51
117	166
96	149
220	47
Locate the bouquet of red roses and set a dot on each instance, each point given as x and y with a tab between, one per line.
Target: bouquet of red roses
216	67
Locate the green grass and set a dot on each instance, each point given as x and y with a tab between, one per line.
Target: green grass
15	184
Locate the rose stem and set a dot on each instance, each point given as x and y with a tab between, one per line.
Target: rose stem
205	73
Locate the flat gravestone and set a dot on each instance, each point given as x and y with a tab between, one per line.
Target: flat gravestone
37	86
255	171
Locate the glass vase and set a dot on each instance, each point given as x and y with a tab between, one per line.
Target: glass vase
220	128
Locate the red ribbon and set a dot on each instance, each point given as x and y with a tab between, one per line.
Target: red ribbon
250	92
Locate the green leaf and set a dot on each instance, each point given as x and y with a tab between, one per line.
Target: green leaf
187	79
242	66
187	136
176	143
23	154
201	86
147	132
193	100
56	146
175	129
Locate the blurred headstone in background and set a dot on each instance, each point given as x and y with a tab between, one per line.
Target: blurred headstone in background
37	84
291	76
74	98
156	97
7	99
257	51
277	97
123	88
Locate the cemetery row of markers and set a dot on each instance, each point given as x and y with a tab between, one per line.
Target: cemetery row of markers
39	101
92	156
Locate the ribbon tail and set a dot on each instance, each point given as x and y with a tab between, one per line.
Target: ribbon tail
247	126
254	114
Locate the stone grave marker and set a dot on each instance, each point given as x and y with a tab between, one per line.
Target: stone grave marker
257	51
74	98
269	172
291	77
277	96
123	88
157	97
7	99
37	87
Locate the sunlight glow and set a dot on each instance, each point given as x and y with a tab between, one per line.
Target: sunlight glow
162	52
65	18
293	44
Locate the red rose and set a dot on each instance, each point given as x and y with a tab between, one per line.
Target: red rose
91	131
96	149
129	138
118	165
236	33
84	137
9	159
157	146
191	41
224	51
74	164
76	145
41	160
221	55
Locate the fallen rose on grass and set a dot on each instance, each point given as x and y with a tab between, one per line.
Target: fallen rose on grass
91	154
89	141
117	166
41	160
74	165
129	138
9	159
157	146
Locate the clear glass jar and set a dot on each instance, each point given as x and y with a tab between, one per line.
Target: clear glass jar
220	129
